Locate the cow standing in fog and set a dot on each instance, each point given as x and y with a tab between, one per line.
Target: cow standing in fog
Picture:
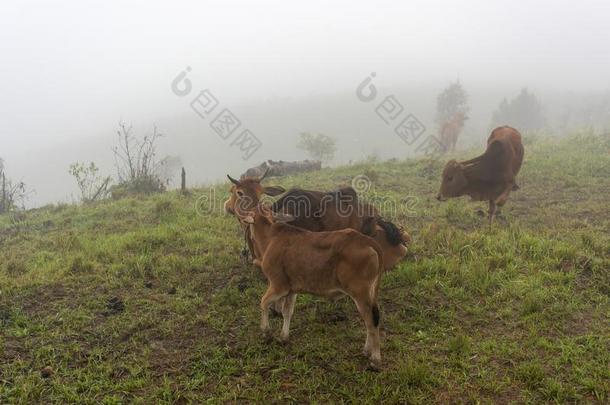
450	131
489	177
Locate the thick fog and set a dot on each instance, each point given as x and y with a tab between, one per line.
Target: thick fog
70	70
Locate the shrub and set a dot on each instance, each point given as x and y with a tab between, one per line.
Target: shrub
92	187
318	146
138	169
138	186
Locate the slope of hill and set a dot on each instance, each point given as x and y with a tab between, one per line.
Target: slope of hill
146	299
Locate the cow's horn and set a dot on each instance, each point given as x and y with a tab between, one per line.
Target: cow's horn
236	182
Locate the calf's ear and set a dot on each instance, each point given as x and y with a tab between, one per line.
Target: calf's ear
273	190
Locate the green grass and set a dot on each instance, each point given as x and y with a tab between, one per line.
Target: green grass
145	300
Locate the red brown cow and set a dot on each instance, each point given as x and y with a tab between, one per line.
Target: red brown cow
322	211
327	264
450	131
490	176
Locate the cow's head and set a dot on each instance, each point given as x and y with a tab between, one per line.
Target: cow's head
247	192
454	182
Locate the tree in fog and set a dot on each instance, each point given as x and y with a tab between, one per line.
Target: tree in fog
451	101
524	112
139	170
318	146
13	194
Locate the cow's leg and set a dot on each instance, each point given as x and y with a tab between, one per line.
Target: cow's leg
492	211
271	295
501	200
370	314
287	311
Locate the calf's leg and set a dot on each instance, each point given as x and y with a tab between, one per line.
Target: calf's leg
271	295
370	314
287	311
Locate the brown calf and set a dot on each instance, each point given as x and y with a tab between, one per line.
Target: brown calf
490	176
327	264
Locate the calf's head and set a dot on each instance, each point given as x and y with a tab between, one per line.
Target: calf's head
247	192
454	182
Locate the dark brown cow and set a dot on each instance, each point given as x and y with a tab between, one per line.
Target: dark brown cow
323	211
450	131
490	176
328	211
327	264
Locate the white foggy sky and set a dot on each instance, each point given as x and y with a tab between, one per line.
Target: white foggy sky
70	69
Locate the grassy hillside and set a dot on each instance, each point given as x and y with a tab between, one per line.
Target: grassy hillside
146	299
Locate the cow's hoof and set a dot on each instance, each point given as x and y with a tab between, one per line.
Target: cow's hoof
374	366
267	337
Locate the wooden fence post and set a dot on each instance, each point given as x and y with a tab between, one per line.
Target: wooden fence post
183	182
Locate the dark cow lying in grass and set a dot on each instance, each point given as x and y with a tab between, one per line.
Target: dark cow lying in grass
322	211
489	177
327	264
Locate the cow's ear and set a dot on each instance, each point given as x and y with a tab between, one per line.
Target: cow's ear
273	190
283	217
347	192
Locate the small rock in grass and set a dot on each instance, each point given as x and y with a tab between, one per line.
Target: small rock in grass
46	372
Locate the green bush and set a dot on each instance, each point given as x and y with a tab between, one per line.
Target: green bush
139	186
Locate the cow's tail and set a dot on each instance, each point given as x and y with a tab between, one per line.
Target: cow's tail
374	289
392	232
